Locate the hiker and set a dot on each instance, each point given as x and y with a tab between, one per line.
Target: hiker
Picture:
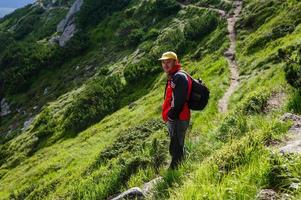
175	110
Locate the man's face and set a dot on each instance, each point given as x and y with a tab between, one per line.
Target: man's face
168	64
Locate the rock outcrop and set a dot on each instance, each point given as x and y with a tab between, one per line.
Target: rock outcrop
67	26
293	143
4	109
138	193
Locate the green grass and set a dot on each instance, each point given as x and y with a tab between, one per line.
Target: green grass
228	156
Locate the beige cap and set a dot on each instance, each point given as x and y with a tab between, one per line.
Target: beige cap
169	55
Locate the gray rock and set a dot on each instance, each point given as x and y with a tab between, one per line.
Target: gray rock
70	15
293	144
5	109
27	123
45	91
133	193
68	33
267	194
138	193
67	26
149	186
294	186
290	116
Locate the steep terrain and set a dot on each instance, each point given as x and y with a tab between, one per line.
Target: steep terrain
82	120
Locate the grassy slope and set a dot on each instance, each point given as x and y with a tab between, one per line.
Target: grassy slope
249	162
228	157
55	178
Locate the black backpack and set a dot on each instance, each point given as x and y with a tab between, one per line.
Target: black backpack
199	94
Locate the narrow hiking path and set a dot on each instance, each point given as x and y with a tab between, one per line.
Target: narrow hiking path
230	55
230	52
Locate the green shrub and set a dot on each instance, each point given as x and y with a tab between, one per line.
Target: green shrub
135	37
23	193
257	13
199	27
92	12
277	32
291	56
233	126
158	153
141	70
6	39
127	26
43	128
293	74
255	102
131	140
78	44
167	7
22	61
283	172
294	105
28	23
100	98
292	67
151	34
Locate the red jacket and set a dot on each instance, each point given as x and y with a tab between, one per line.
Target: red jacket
178	88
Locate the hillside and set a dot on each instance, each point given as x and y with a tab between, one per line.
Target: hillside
81	93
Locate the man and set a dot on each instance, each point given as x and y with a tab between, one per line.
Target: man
175	110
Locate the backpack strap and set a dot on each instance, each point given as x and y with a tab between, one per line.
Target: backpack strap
189	79
165	89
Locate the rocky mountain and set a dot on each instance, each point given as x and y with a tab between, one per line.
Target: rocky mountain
81	91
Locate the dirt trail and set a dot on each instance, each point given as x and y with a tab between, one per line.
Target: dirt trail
230	56
230	52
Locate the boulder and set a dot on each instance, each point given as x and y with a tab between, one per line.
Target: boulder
5	109
67	26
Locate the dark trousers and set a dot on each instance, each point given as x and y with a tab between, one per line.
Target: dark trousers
177	130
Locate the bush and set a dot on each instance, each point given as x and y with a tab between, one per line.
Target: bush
167	7
255	102
257	13
92	12
27	24
292	58
151	34
130	33
78	44
198	27
293	74
135	37
22	61
131	141
158	153
283	172
233	126
6	39
100	98
277	32
294	104
141	70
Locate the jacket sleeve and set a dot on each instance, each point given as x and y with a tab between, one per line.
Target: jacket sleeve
179	84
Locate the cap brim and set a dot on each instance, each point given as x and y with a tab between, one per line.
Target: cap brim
165	58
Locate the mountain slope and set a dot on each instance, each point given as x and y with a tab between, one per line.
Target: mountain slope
97	130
